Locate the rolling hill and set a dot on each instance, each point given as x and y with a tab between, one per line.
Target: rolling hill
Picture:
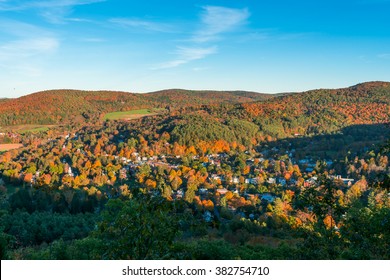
310	113
64	106
323	111
359	104
180	97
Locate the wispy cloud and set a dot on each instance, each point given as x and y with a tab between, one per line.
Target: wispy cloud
142	24
71	19
218	20
18	5
25	36
25	56
187	54
93	40
54	11
27	45
20	29
214	22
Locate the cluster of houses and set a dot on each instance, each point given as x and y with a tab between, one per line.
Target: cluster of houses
346	181
131	166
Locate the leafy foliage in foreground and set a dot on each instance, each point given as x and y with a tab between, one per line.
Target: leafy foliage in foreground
137	229
126	234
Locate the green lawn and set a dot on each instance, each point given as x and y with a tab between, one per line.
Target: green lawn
133	114
35	129
24	128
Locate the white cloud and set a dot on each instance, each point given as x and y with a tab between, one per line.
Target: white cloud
187	54
93	40
14	52
18	5
27	47
25	57
80	20
218	20
214	21
143	24
26	39
21	29
54	11
195	53
31	46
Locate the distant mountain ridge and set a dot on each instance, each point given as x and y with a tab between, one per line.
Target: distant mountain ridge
63	106
193	97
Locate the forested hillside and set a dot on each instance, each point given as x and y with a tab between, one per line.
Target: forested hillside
308	112
64	106
178	97
295	115
320	111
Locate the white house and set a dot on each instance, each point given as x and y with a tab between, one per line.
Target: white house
235	180
271	181
253	181
222	191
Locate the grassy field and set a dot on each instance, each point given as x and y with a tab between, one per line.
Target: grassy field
24	128
7	147
131	115
35	129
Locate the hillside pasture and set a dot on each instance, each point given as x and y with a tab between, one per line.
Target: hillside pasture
35	129
25	128
131	115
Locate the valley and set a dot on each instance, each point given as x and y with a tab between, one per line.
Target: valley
201	174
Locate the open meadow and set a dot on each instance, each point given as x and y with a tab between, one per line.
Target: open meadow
130	115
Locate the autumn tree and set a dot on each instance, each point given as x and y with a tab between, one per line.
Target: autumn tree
28	178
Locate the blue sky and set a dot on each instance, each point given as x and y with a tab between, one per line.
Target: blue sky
140	46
